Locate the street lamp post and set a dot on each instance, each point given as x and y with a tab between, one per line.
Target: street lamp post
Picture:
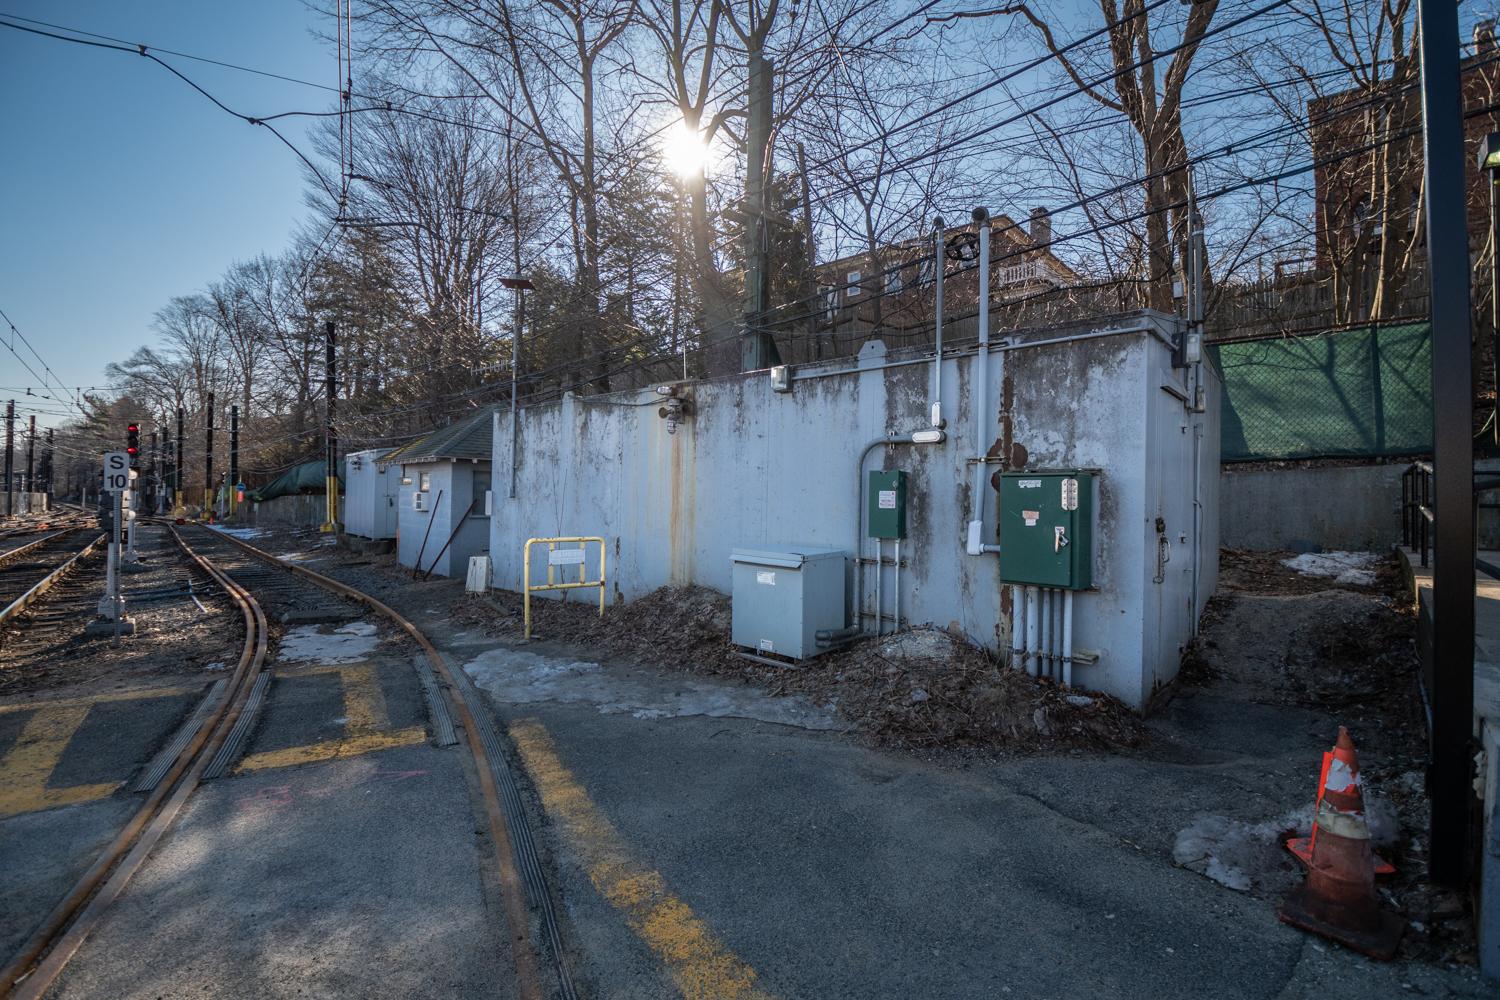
520	286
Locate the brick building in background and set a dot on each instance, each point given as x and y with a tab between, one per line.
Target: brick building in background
1369	242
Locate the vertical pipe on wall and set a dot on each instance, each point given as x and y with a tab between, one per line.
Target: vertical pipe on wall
979	391
1067	639
1032	643
879	572
896	586
1017	627
1045	669
938	257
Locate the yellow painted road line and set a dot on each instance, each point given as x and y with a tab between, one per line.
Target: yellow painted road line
352	746
699	963
139	694
30	762
364	701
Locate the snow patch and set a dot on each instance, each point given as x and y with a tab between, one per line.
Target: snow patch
1241	855
1344	567
517	676
238	532
310	644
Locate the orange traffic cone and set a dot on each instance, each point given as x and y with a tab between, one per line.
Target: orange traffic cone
1338	900
1342	764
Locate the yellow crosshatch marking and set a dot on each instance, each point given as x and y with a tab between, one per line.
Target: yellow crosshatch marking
700	964
351	746
367	722
30	762
139	694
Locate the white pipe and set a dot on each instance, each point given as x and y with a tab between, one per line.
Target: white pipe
879	572
1031	634
1067	639
1017	627
897	587
938	260
1046	667
1197	518
979	393
1057	635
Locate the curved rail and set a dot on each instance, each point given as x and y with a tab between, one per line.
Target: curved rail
42	958
505	845
45	583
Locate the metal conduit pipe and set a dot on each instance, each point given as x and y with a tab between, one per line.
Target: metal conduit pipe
1017	628
879	575
934	436
896	627
939	258
1031	632
979	391
1067	639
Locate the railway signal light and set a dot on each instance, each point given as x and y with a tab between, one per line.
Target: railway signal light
133	442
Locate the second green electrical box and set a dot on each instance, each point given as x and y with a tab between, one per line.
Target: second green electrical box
1046	528
886	514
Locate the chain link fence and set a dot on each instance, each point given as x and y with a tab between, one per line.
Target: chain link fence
1359	392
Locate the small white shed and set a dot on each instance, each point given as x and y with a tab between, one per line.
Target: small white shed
371	491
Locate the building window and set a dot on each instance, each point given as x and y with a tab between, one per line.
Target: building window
830	303
925	271
851	285
894	282
424	482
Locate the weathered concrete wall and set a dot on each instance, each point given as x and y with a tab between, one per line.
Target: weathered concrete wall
456	481
297	511
1335	507
34	503
754	468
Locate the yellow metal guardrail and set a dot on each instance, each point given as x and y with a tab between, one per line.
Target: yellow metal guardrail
556	558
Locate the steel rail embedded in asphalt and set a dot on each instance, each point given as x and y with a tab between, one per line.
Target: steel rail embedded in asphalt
520	872
42	958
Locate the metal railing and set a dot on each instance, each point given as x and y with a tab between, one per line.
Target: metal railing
1417	512
1416	508
574	555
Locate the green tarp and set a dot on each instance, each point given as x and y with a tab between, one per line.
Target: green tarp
305	478
1358	392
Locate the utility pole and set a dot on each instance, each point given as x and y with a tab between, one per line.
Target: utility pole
30	463
810	272
153	481
757	350
10	447
234	459
331	451
177	469
1449	779
208	462
47	463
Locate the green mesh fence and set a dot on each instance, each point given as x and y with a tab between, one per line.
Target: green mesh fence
1358	392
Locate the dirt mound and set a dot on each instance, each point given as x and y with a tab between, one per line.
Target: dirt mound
917	688
927	688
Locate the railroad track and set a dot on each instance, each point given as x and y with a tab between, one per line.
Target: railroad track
265	589
31	569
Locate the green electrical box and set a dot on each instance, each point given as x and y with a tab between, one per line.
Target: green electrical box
1046	528
887	504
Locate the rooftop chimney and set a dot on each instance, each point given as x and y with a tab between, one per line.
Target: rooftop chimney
1041	226
1484	37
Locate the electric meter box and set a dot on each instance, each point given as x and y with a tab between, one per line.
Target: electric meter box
886	504
1046	528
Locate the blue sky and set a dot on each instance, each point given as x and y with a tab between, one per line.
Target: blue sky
121	187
